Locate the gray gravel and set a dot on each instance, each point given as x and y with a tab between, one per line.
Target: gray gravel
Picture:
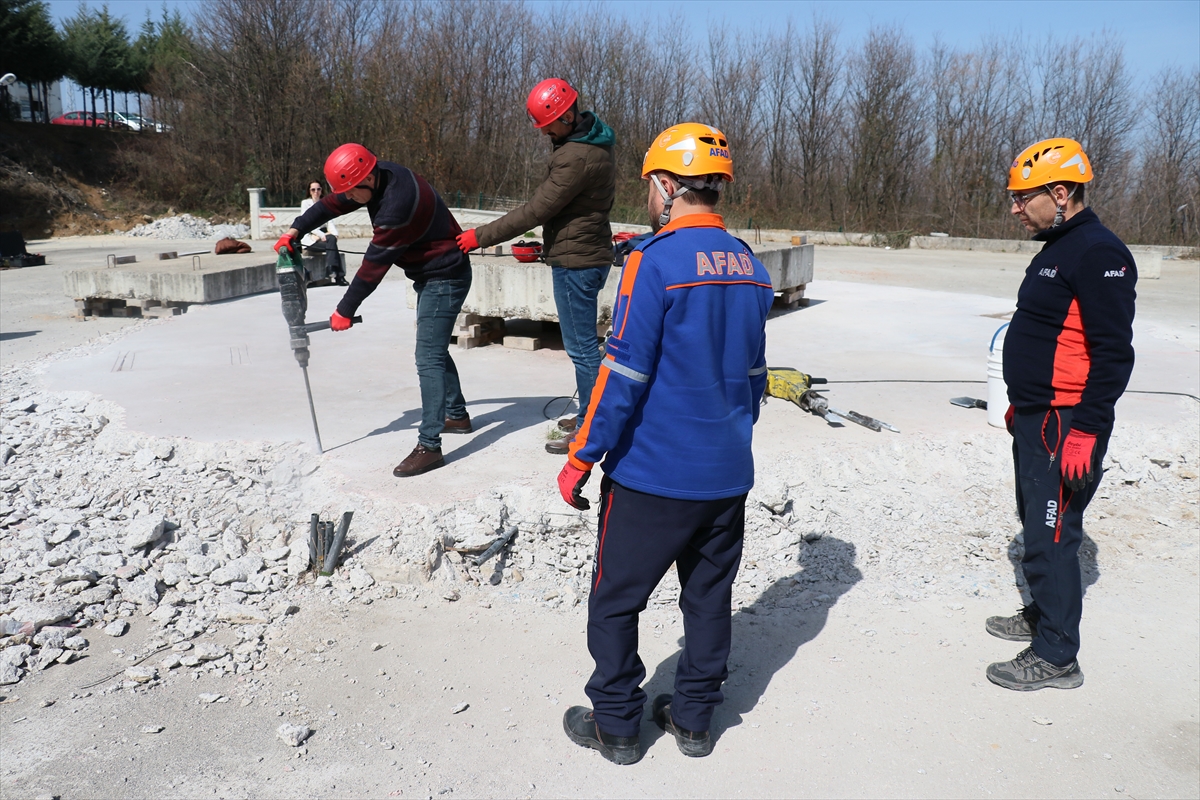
185	226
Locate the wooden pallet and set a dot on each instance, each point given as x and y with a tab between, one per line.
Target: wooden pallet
473	330
792	297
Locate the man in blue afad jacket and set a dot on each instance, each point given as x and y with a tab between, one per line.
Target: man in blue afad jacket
672	418
1068	355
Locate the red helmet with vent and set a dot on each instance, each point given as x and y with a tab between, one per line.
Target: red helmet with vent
549	100
348	166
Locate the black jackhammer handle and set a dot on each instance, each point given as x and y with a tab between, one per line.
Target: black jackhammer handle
817	381
313	327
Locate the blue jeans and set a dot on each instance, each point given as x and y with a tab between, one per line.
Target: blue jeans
575	293
438	305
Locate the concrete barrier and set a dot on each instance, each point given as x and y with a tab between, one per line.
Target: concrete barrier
507	289
967	243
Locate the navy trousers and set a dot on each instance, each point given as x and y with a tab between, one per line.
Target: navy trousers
1052	516
640	536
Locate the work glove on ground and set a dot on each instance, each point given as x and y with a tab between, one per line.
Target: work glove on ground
339	323
570	485
286	243
467	241
1077	456
1008	418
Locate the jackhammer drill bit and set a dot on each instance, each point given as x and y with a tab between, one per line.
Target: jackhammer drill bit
293	293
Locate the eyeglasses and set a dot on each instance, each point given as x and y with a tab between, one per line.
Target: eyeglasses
312	189
1021	200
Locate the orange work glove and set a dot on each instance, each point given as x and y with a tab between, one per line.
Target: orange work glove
339	323
1077	467
467	241
570	485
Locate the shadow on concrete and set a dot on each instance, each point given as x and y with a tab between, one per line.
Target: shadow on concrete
4	337
1089	564
768	633
514	414
778	311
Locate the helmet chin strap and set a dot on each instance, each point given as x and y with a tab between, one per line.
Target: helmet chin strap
1060	209
668	199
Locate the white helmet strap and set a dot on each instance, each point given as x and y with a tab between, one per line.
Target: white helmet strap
668	199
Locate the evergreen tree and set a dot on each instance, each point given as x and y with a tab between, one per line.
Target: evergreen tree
30	48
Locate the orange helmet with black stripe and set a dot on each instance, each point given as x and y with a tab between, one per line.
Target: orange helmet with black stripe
1049	161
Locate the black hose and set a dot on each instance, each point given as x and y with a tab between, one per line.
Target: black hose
901	380
554	400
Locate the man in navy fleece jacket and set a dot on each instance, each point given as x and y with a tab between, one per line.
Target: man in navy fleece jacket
1068	355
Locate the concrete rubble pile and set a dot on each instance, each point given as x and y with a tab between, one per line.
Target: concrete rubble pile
100	526
185	226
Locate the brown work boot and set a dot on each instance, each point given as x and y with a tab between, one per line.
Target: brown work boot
568	424
560	447
421	459
458	425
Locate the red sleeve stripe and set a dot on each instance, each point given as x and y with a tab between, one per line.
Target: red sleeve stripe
1072	360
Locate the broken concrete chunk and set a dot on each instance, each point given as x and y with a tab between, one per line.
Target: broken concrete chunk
223	576
143	531
141	674
117	627
207	651
202	566
75	572
361	579
293	735
242	614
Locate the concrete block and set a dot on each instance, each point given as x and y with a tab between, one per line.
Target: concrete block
1149	263
523	342
162	311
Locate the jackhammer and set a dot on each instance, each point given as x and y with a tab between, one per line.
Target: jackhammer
293	291
792	384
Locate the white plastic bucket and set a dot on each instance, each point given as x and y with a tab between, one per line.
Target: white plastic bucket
997	394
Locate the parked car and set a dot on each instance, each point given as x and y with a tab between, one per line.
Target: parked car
82	118
135	122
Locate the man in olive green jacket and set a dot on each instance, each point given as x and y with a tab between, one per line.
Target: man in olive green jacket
572	206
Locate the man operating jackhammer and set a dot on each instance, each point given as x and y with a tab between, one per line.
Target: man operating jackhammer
672	416
1068	355
572	206
416	231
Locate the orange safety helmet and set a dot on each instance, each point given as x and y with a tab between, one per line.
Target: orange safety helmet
1049	161
549	100
698	155
690	150
348	166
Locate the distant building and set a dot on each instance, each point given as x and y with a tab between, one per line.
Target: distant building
18	96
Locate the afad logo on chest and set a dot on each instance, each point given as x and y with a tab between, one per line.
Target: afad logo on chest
1048	272
727	263
1115	273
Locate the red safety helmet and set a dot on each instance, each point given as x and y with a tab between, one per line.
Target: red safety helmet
348	166
549	100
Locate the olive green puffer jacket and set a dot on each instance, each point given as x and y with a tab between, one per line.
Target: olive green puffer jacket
572	203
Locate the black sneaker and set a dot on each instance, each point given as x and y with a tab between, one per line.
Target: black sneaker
1020	627
581	727
695	744
1029	672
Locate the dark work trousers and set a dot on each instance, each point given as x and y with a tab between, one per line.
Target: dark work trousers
1052	516
640	536
438	305
333	259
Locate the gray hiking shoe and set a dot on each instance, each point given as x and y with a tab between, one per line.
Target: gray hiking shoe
1020	627
1029	672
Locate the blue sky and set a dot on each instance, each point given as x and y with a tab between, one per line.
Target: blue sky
1156	33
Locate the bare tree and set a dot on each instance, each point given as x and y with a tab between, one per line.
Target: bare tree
817	118
887	130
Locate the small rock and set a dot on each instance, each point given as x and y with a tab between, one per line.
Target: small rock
461	707
208	697
143	531
375	646
164	614
207	651
223	576
163	450
48	656
9	673
202	566
76	643
175	573
1043	720
361	579
117	627
278	554
293	735
451	595
152	728
52	637
141	674
76	573
515	575
46	702
242	614
284	609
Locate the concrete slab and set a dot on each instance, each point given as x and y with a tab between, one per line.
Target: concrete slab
224	372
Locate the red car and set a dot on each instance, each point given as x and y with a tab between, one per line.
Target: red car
83	118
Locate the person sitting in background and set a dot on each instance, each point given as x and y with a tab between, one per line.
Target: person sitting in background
324	238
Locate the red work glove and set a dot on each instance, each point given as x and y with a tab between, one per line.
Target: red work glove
570	485
468	241
339	323
1077	468
1008	418
286	243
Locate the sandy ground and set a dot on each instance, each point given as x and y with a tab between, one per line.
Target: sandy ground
859	697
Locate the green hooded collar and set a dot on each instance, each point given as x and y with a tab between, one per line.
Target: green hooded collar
590	129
